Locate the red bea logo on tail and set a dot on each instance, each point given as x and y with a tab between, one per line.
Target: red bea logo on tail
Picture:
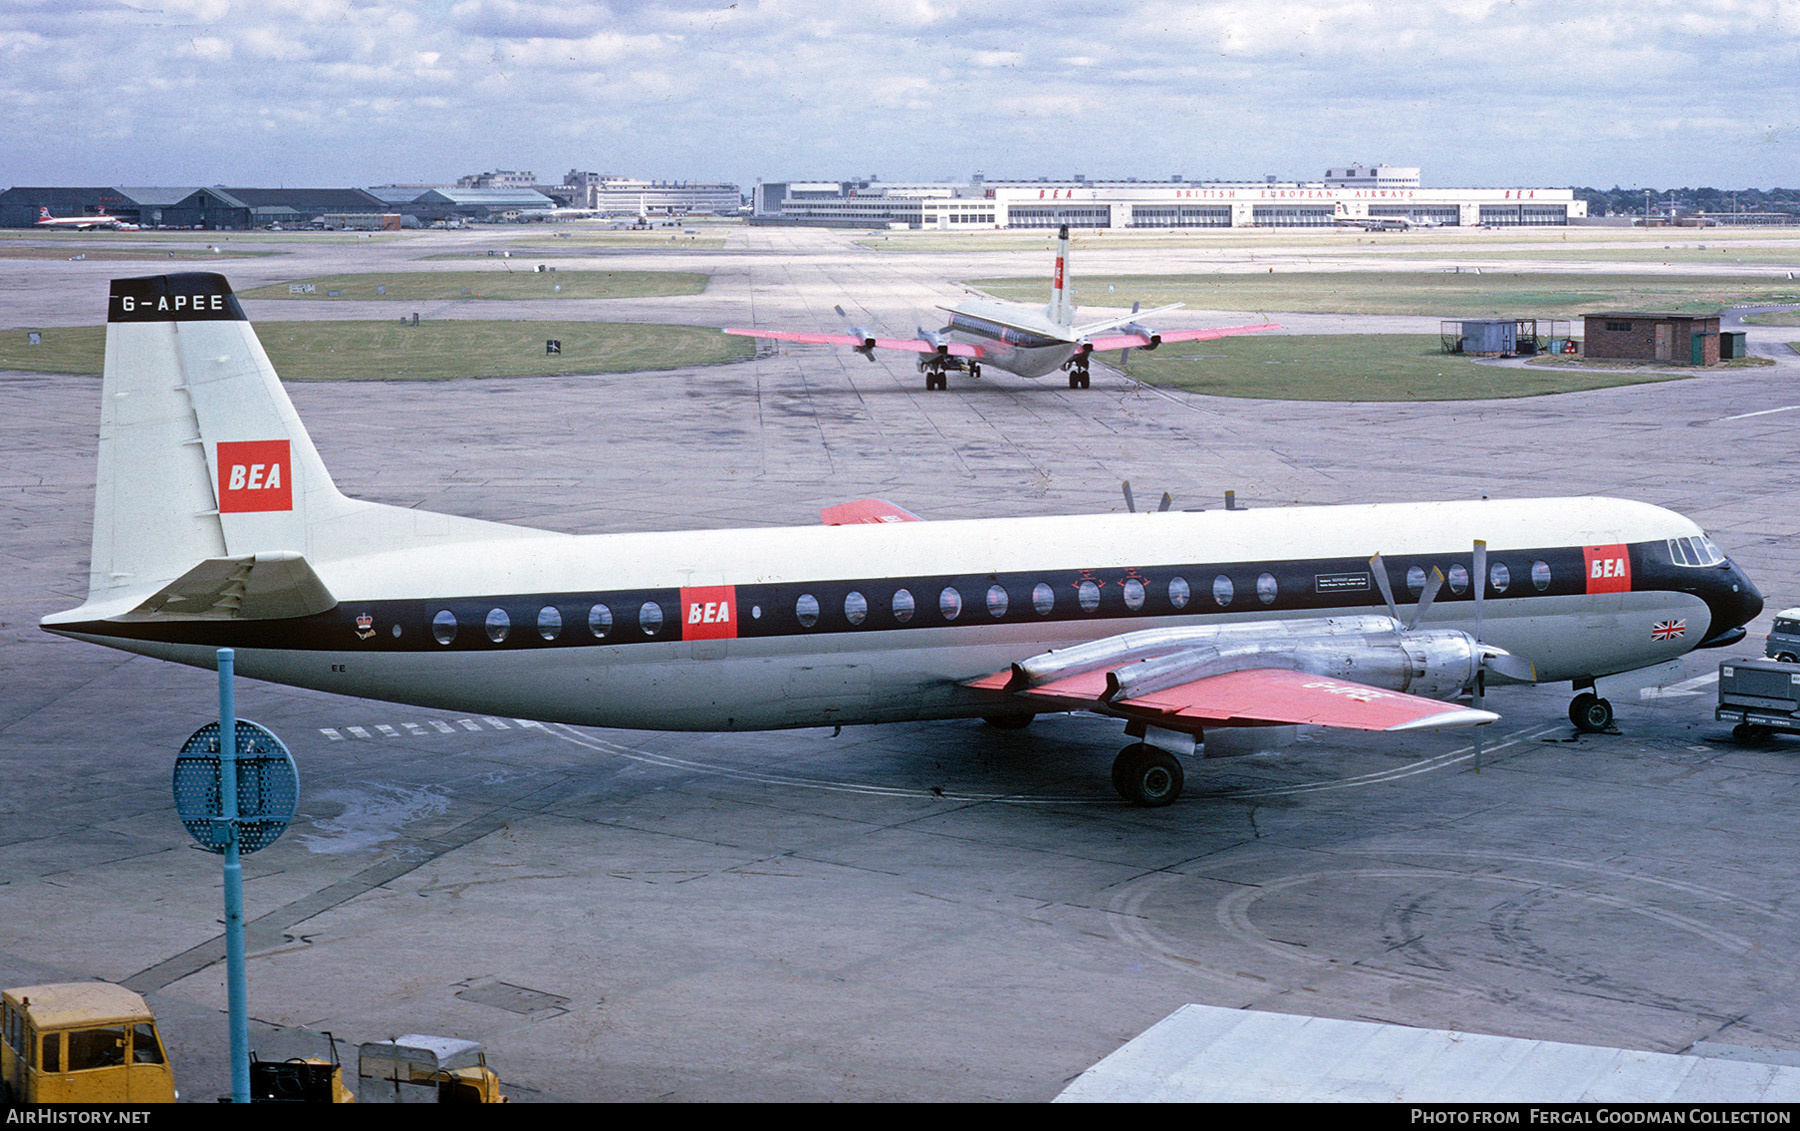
255	475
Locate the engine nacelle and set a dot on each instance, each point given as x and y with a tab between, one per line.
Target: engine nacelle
1134	328
1433	663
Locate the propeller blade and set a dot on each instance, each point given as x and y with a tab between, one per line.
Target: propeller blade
1168	501
1479	581
1130	503
1432	585
1480	695
1378	568
1501	662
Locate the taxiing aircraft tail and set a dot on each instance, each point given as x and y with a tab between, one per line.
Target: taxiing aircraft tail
1061	310
206	474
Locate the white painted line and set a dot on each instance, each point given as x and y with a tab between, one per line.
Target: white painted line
413	728
1762	412
497	724
387	730
469	724
331	733
1680	690
358	732
443	727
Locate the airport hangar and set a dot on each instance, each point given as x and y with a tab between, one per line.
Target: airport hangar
977	204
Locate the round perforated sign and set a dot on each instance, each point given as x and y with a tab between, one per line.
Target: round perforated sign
268	787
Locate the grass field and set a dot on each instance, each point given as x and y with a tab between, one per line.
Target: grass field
125	254
1355	367
1506	294
433	350
1774	318
518	282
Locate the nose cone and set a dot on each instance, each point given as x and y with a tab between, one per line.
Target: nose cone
1734	601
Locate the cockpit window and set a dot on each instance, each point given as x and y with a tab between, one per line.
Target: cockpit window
1698	550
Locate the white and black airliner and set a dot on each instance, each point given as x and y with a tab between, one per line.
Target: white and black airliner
1024	340
217	525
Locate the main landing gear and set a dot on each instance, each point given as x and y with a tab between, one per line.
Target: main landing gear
1590	713
1078	372
1146	775
936	368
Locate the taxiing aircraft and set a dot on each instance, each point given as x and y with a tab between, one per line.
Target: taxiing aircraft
217	525
1010	336
1343	219
83	223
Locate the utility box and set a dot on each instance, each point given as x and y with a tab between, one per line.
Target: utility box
1759	696
1732	345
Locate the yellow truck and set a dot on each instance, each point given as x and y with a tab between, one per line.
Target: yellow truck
81	1043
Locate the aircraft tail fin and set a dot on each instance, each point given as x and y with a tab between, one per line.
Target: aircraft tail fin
1061	310
202	455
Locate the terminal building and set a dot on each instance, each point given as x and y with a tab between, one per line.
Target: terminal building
1350	195
633	196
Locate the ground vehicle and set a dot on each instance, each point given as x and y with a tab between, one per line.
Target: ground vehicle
81	1042
1760	696
300	1079
419	1069
1784	638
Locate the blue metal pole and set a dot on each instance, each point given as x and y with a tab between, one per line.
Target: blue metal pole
234	886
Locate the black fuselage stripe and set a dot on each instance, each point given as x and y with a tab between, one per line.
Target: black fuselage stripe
1301	586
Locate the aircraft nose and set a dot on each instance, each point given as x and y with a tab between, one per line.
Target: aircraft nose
1734	601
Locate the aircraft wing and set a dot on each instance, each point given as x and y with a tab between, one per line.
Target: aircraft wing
1249	696
863	511
911	345
1140	341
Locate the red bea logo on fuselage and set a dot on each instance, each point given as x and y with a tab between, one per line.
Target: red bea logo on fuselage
709	613
1608	569
255	475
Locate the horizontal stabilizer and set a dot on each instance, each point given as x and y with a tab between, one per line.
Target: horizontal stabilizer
254	587
866	511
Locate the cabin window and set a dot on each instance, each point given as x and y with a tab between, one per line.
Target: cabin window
1043	599
650	618
1223	590
1459	579
806	609
856	608
1694	552
498	624
600	621
52	1059
549	622
950	603
1134	594
1088	595
1415	578
1179	592
1540	575
1499	576
1266	588
903	606
996	601
443	626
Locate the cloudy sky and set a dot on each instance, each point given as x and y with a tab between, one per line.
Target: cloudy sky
360	92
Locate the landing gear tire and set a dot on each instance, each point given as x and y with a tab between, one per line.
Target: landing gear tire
975	370
1147	776
1078	378
935	379
1590	713
1750	732
1008	722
